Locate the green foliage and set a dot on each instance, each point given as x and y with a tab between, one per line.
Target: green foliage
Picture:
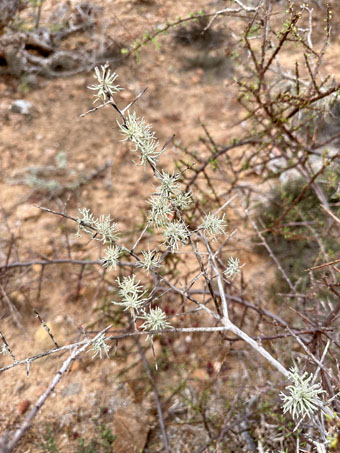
103	443
89	448
49	446
24	85
106	436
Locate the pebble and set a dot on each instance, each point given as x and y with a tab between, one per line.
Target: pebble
21	106
23	406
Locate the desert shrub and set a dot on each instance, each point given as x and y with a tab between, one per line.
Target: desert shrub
177	277
306	231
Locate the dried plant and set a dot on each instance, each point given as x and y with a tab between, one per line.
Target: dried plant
279	107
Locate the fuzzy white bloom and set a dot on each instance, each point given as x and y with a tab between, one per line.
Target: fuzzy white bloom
212	225
303	399
149	153
139	132
111	257
155	320
170	189
175	233
103	227
151	260
106	228
136	129
161	211
105	87
4	350
169	185
233	268
99	346
85	220
131	293
182	200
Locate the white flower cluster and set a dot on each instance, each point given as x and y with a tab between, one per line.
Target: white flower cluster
160	212
213	225
166	205
170	190
101	229
104	230
107	229
132	295
175	233
233	268
303	399
151	260
99	347
4	350
111	257
86	222
169	184
105	87
140	134
168	199
155	320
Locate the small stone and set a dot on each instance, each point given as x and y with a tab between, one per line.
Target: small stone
21	106
23	406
